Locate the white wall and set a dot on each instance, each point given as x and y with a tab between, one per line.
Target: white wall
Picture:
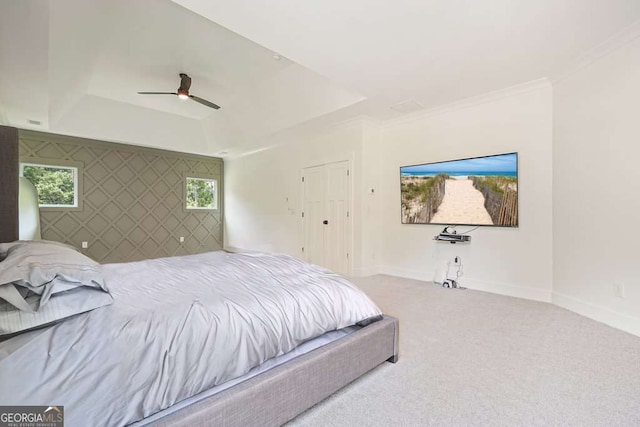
596	203
512	261
370	214
263	191
579	188
509	261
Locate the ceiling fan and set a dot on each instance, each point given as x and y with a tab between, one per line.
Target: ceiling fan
183	92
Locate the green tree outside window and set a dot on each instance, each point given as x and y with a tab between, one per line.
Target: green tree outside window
201	193
55	185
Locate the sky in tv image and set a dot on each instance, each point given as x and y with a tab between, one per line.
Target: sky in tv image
504	164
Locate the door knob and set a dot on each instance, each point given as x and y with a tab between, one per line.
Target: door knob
325	222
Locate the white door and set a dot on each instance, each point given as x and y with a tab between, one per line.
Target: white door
336	231
313	214
326	215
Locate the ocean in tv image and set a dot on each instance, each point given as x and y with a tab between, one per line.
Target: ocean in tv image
477	191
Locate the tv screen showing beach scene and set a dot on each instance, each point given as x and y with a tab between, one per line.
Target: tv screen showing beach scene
474	191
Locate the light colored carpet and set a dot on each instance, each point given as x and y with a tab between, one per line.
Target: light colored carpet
474	358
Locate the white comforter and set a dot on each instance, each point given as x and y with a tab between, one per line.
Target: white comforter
178	326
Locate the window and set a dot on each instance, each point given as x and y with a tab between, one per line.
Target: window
57	186
201	193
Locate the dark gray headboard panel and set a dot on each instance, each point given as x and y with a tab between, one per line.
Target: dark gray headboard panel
8	184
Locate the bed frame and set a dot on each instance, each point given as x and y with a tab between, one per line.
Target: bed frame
280	394
268	399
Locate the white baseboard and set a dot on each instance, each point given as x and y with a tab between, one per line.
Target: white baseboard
425	276
364	271
479	285
525	292
605	315
598	313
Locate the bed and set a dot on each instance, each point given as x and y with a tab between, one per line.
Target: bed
159	355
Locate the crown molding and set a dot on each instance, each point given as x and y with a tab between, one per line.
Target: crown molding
472	101
610	45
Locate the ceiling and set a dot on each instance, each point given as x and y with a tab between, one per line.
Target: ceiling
76	65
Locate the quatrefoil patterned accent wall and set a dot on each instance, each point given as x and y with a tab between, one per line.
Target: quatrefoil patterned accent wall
132	199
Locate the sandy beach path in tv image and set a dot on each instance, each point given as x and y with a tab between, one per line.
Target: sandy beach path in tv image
462	204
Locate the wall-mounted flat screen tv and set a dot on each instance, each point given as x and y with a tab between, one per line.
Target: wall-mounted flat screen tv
474	191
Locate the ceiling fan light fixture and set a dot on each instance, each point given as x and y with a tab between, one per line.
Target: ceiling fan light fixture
183	93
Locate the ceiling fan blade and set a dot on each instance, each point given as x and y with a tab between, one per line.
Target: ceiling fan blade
204	102
157	93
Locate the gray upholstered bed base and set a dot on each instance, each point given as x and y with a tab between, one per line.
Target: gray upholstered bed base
278	395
